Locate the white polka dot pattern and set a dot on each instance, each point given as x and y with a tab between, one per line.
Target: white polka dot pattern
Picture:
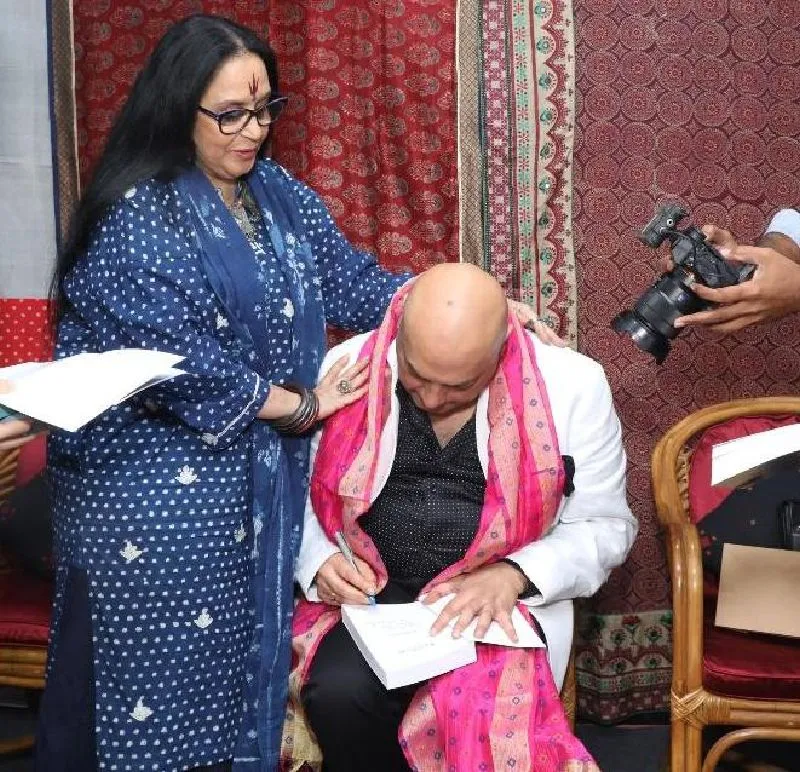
154	498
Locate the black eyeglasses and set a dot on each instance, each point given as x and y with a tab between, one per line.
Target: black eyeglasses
234	121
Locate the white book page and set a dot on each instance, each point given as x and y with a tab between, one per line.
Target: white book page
15	372
394	625
403	628
70	392
731	459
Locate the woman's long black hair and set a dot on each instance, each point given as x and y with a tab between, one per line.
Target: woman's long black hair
152	135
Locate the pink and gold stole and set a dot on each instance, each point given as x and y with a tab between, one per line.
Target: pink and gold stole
503	711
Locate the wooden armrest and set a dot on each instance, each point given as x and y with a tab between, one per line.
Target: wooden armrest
8	472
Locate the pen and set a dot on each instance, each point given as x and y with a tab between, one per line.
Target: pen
348	553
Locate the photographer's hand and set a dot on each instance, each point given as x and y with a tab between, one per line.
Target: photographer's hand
774	291
723	240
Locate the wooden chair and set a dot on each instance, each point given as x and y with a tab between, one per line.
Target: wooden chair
24	618
765	700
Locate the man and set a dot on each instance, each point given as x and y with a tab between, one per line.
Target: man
441	498
774	290
13	431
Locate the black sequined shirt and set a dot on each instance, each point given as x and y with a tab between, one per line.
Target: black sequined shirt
427	514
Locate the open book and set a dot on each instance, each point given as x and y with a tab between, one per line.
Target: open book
70	392
742	460
396	642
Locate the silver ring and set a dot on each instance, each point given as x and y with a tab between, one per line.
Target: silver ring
344	386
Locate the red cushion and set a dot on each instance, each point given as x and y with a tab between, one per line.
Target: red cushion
24	608
702	496
740	664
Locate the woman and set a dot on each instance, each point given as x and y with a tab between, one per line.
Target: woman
178	514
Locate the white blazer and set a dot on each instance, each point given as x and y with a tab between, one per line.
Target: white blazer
595	527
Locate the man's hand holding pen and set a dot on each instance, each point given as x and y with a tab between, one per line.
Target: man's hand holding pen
338	581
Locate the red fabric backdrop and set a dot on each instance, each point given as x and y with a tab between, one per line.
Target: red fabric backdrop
371	123
371	117
695	100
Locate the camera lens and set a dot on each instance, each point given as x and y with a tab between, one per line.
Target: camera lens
647	339
650	323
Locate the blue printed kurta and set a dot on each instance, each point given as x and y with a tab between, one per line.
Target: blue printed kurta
183	508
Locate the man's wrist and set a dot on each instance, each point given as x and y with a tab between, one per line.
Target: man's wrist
781	243
528	588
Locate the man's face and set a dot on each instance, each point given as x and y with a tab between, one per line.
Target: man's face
439	388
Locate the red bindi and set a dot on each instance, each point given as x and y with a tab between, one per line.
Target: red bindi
253	86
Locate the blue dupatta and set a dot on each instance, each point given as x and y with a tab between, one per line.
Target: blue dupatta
279	464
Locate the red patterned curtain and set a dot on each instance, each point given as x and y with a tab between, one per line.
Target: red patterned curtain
694	100
371	118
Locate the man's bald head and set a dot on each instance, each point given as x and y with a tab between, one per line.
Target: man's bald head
453	328
456	309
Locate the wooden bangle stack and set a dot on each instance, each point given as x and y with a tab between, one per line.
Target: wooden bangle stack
306	414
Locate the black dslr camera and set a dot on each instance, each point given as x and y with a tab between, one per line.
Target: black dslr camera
650	322
789	521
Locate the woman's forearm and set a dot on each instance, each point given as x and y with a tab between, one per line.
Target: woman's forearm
280	402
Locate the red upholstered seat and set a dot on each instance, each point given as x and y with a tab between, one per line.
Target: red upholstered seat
741	664
24	609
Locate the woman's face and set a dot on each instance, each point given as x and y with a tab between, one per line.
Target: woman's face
241	82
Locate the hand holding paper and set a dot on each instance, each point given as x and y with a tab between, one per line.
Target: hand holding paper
524	637
486	595
70	392
15	430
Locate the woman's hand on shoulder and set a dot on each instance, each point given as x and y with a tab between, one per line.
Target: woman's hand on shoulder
342	385
528	319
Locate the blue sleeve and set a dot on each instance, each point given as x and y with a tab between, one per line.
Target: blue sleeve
355	289
140	285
